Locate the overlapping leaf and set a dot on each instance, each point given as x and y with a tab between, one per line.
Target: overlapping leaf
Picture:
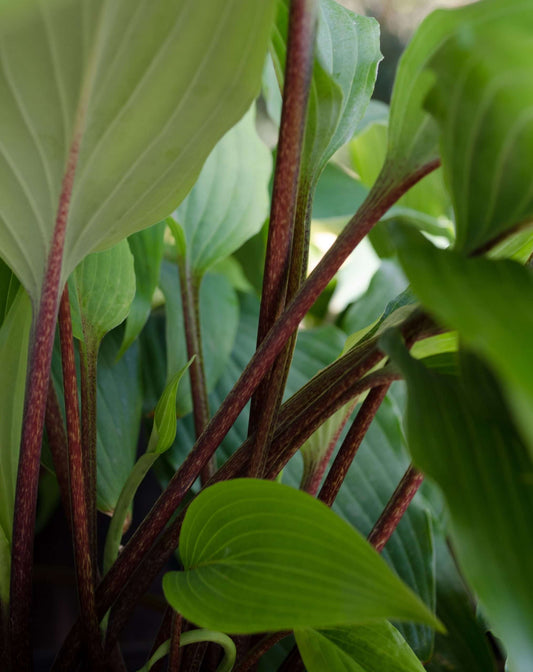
230	200
105	284
480	298
14	339
147	248
365	648
483	102
148	89
262	556
462	436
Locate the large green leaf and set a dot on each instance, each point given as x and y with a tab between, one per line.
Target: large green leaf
148	89
8	289
365	648
219	317
346	60
147	248
262	556
14	339
481	298
462	436
483	102
230	200
464	647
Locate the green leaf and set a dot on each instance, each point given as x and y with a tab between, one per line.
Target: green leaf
218	306
148	89
346	60
426	205
165	422
8	290
230	200
462	436
261	556
365	648
105	283
480	298
147	248
118	418
338	195
14	340
464	647
483	102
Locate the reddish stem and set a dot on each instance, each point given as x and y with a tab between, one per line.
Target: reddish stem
255	653
57	442
297	80
396	507
32	432
80	528
174	655
351	443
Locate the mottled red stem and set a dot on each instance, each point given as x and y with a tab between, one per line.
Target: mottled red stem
88	367
298	70
351	443
174	655
57	442
190	303
80	528
396	507
255	653
40	360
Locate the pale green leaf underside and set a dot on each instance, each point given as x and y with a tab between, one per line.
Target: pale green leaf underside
261	556
14	339
163	81
481	298
461	435
105	283
230	200
365	648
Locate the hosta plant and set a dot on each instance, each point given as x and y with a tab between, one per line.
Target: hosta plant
338	491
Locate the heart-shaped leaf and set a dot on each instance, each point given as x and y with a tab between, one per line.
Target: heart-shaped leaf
262	556
365	648
147	89
461	435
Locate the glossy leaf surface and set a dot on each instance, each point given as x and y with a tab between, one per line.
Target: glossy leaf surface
461	435
230	200
261	556
147	117
365	648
